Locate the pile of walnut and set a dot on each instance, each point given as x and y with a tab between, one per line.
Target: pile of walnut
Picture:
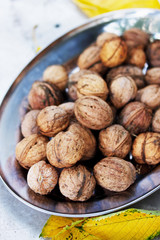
117	102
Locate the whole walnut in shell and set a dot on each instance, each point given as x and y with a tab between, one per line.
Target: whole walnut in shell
68	107
29	123
65	149
92	85
88	137
103	37
146	148
52	120
153	75
137	57
42	178
135	37
113	52
57	75
77	183
93	112
128	70
153	52
31	150
115	141
114	174
135	117
122	90
149	95
156	121
43	94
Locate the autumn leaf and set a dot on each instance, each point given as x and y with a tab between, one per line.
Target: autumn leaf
129	224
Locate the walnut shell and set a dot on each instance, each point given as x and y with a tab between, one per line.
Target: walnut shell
114	174
134	72
156	121
92	85
57	75
65	149
42	178
146	148
43	94
122	90
137	57
135	37
77	183
93	112
113	52
88	137
135	117
153	52
29	123
52	120
149	95
153	76
68	107
103	37
115	141
31	150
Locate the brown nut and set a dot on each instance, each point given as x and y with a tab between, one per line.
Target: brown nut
149	95
134	72
135	37
42	178
143	168
153	76
114	174
135	117
57	75
115	141
113	52
137	57
73	80
103	37
92	85
65	149
146	148
88	137
77	183
93	112
122	90
156	121
29	123
68	107
31	150
52	120
43	94
153	52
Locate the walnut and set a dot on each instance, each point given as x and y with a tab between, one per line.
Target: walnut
115	141
153	76
42	178
77	183
92	85
31	150
57	75
135	37
93	112
156	121
149	95
65	149
114	174
113	52
103	37
146	148
73	80
122	90
29	124
68	107
134	72
88	137
153	52
43	94
52	120
135	117
137	57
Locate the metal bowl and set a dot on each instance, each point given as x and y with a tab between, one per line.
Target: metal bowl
64	51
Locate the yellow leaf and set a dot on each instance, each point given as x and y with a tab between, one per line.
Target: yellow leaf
96	7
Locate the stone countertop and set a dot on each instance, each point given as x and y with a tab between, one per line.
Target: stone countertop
20	20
